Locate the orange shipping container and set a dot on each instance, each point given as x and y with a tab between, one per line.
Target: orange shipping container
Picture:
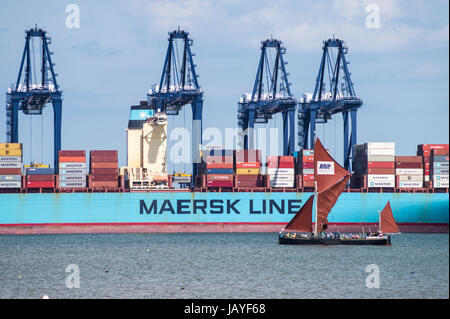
65	159
104	165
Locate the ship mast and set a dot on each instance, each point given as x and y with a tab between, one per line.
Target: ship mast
315	191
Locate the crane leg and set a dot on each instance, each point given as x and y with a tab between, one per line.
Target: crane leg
251	129
346	141
14	125
57	117
197	109
312	127
285	134
291	132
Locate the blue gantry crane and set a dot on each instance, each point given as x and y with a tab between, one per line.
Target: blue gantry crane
31	94
271	95
338	97
178	87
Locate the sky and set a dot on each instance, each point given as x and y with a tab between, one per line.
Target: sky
109	63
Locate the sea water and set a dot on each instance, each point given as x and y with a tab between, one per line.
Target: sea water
225	265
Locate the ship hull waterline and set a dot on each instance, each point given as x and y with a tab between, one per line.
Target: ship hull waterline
334	241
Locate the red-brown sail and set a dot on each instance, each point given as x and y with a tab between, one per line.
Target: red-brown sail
326	201
302	221
327	171
331	179
387	221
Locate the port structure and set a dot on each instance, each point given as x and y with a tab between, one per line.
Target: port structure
271	95
178	87
338	97
32	92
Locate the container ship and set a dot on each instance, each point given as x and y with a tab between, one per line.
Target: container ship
229	190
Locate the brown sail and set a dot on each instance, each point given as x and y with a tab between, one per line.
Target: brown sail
327	171
387	221
326	201
331	179
302	221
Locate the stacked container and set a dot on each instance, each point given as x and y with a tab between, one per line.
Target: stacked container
280	170
72	169
220	168
424	150
306	162
248	168
439	170
409	171
374	165
10	165
40	177
104	169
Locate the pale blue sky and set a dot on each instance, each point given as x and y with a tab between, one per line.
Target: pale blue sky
400	70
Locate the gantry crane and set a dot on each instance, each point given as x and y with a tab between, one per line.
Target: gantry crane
271	95
32	94
338	97
178	87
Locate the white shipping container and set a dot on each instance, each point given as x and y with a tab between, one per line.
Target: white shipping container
409	171
410	184
410	178
380	151
10	164
380	158
381	184
440	165
282	184
440	184
281	177
437	178
4	184
72	184
426	178
386	145
283	171
10	158
377	177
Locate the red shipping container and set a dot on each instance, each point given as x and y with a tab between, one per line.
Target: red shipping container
280	159
381	171
103	153
72	154
280	165
439	152
219	177
408	165
380	164
105	171
308	183
426	171
104	178
220	183
66	159
426	166
427	159
40	178
308	159
10	171
104	165
219	165
433	147
97	158
248	165
219	159
308	165
103	184
308	177
408	159
40	184
243	156
248	180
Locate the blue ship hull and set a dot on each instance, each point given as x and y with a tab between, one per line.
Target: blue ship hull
209	212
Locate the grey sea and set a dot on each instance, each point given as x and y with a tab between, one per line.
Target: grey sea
219	266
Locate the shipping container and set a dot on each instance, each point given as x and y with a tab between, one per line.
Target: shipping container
70	165
440	171
381	184
279	171
308	183
248	165
72	159
389	178
442	158
380	152
73	171
104	184
248	180
381	171
215	183
408	159
96	158
10	152
10	184
13	178
219	159
440	165
10	164
308	171
40	184
40	171
220	171
409	171
410	178
67	153
103	153
72	177
106	178
279	184
10	146
104	165
10	159
220	165
40	178
72	184
247	171
417	184
439	152
380	164
308	177
380	158
308	165
10	171
408	165
282	177
245	156
219	177
280	165
379	145
105	171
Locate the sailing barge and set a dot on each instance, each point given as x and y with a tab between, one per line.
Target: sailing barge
331	179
